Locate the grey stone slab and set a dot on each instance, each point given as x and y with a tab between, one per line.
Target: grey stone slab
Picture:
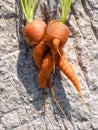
21	101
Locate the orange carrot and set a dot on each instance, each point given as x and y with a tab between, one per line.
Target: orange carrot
46	70
34	31
58	33
56	36
57	30
67	69
39	52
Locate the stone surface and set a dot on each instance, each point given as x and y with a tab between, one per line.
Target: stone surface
21	101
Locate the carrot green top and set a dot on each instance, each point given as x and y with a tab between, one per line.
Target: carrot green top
65	7
29	9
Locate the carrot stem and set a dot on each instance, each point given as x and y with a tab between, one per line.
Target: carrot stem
29	9
24	10
65	7
29	5
33	8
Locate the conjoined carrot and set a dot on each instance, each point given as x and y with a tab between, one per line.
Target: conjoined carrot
47	42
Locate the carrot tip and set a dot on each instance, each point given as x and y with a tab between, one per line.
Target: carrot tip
56	101
59	54
85	102
44	100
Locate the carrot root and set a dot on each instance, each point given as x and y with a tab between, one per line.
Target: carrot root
45	70
55	44
39	52
67	69
84	102
44	100
55	99
54	53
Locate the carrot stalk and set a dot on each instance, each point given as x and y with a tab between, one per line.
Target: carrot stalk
33	8
29	5
28	9
65	7
24	9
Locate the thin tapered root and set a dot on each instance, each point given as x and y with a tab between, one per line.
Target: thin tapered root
54	58
59	54
56	43
44	100
81	95
44	104
57	103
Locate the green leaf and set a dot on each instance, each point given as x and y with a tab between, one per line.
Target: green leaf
24	10
29	5
33	8
29	9
65	7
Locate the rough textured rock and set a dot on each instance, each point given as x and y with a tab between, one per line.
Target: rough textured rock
21	101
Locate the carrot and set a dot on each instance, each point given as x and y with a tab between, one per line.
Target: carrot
58	33
34	32
45	66
48	42
57	30
45	70
67	69
39	52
